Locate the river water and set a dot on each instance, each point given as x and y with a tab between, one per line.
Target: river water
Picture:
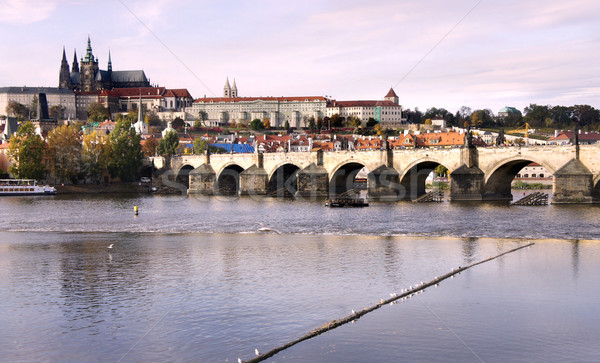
191	279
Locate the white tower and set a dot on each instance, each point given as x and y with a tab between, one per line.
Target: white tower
227	89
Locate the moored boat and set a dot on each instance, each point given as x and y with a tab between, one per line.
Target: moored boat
346	202
24	187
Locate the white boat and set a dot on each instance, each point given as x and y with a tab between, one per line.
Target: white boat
24	187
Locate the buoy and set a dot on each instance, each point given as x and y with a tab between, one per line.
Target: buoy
135	209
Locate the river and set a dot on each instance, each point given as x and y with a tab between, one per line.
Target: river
191	279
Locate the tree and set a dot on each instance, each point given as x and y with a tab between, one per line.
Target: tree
97	112
267	123
150	147
64	152
33	108
441	171
311	123
286	125
427	121
200	145
336	120
535	115
178	123
319	123
169	144
256	124
152	118
18	110
26	150
371	122
126	151
95	154
57	112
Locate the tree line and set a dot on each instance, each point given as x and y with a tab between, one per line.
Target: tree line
583	117
67	155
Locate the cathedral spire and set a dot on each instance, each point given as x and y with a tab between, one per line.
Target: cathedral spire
109	62
64	58
234	91
64	77
89	57
75	64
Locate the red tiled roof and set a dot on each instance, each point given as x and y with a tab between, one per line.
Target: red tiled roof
570	135
363	103
391	93
250	99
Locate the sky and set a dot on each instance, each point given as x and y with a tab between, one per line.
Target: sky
434	53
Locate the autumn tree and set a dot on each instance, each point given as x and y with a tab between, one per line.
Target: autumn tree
95	154
150	147
64	152
169	144
125	151
267	123
26	150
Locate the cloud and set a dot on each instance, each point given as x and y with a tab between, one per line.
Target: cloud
26	11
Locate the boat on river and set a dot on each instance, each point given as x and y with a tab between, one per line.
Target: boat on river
24	187
346	203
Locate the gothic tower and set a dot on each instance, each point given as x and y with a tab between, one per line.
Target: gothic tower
89	68
64	78
234	92
227	89
75	68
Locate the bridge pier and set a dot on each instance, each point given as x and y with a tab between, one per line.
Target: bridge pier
383	184
468	181
203	180
573	183
313	182
254	180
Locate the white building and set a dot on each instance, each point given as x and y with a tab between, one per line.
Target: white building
25	95
387	112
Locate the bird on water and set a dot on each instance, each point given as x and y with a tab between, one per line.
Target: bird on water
256	352
111	245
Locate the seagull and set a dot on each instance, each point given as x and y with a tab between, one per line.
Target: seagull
240	360
111	245
256	352
353	312
266	229
393	294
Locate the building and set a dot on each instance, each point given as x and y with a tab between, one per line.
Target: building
220	111
89	77
387	112
568	138
63	98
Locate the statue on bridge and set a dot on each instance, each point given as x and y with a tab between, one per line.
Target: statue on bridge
469	138
500	138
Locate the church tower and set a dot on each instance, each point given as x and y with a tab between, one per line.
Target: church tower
75	68
64	78
392	96
234	92
227	89
89	68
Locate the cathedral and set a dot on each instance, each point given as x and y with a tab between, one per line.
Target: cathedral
89	77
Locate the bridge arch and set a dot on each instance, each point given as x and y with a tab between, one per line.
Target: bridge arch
343	175
228	179
499	179
183	175
283	180
414	177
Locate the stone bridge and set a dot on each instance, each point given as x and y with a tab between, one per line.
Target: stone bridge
474	173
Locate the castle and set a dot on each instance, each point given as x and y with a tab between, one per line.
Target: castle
89	77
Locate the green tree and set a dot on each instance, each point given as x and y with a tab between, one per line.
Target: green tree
33	108
200	145
126	151
178	123
95	154
97	112
64	152
169	144
311	123
152	118
286	125
319	123
371	122
441	171
256	124
18	110
26	150
336	120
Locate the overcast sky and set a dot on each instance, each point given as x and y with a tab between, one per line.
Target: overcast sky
482	54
